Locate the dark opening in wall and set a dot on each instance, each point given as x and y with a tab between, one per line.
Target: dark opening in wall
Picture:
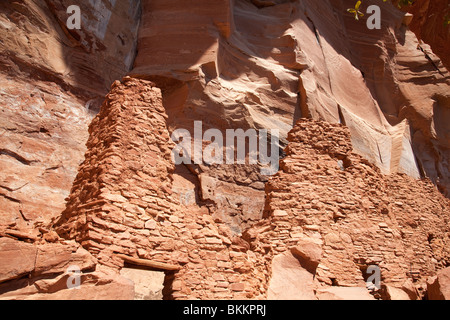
334	282
152	280
168	282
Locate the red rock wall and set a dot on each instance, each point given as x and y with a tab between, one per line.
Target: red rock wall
429	24
252	66
122	203
324	193
283	59
237	64
329	214
53	82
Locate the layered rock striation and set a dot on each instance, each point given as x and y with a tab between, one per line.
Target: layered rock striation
363	177
53	81
265	64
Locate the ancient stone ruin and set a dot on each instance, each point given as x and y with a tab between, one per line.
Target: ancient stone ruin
92	205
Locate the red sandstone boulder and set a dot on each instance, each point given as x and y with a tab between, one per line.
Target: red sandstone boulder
439	286
393	293
100	285
290	281
407	291
16	259
56	258
309	252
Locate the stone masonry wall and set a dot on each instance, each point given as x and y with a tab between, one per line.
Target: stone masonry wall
122	203
325	194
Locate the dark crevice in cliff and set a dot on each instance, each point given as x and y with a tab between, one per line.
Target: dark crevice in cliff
16	156
427	56
9	198
302	111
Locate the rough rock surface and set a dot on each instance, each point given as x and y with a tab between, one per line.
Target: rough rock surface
264	66
37	43
344	293
122	203
122	210
235	65
289	280
222	231
439	286
327	193
429	26
39	271
52	83
148	285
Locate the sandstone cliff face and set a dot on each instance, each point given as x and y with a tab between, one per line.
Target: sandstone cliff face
52	83
264	66
223	231
430	24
